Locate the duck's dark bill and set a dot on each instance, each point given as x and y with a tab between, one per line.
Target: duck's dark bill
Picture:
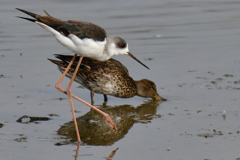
137	60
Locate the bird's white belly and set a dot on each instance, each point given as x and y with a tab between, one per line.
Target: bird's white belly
84	47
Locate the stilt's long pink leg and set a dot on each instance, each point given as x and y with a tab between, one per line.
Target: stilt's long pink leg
69	88
69	95
107	117
58	87
76	155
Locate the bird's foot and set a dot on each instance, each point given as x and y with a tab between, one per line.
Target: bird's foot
110	122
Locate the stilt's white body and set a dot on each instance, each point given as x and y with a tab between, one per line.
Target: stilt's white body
99	50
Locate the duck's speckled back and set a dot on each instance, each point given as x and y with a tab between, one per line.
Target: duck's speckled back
108	77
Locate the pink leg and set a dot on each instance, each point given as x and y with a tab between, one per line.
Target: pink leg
58	87
110	157
69	95
107	117
70	98
76	156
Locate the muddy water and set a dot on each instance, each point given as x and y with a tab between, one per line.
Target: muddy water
192	48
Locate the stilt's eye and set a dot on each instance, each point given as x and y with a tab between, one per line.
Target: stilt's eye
123	45
120	43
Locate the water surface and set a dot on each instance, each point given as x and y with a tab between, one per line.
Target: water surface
192	48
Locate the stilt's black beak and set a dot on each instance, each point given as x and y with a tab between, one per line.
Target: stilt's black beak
130	54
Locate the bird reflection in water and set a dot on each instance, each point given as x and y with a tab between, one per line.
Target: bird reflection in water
94	129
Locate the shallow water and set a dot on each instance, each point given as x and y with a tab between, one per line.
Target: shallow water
192	48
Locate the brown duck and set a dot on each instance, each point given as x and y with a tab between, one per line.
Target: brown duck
108	78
